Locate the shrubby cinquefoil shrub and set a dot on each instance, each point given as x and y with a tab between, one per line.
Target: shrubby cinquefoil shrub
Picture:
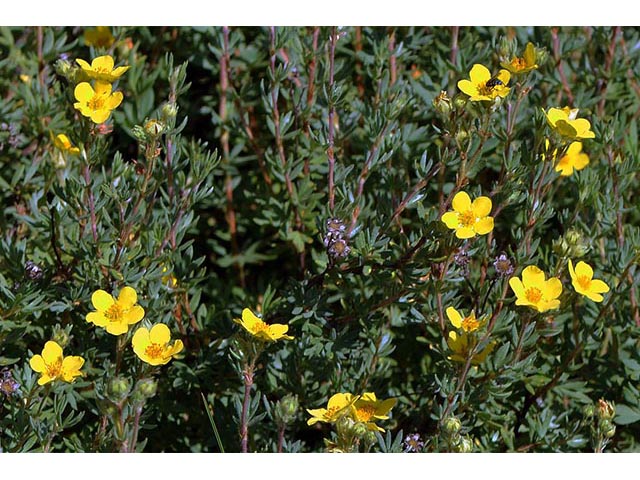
350	239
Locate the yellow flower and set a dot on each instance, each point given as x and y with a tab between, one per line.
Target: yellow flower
367	409
584	284
115	315
573	159
566	123
62	143
101	69
96	104
53	365
536	292
467	324
152	346
259	329
482	86
469	219
99	37
337	407
462	344
523	64
169	280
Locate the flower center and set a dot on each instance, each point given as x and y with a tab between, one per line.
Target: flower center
518	63
54	369
102	70
96	103
467	219
331	412
469	324
365	413
533	294
584	282
484	89
261	327
114	313
154	350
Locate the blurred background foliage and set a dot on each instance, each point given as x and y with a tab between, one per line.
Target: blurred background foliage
235	214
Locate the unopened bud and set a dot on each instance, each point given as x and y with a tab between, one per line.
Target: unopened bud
63	68
461	136
459	101
169	110
506	48
60	336
588	411
451	425
606	409
154	128
359	429
442	103
464	445
286	408
118	389
147	387
370	437
542	55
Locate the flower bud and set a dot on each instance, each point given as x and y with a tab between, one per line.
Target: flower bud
359	429
60	336
588	411
506	48
63	68
169	110
370	437
461	136
147	387
153	128
459	101
464	445
541	56
606	409
285	409
344	425
118	389
442	103
451	425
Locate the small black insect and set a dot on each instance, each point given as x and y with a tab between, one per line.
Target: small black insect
494	82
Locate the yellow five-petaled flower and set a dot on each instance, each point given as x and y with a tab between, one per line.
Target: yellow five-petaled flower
152	346
101	69
367	409
535	291
481	86
62	143
584	283
566	123
261	330
96	104
467	324
523	64
469	219
337	406
115	315
53	365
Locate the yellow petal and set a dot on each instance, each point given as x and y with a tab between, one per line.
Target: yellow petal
160	334
553	288
71	368
574	149
37	364
101	300
52	352
584	270
114	100
119	71
127	298
479	74
100	116
468	88
44	379
555	114
461	202
481	206
598	286
140	340
583	128
572	272
134	315
117	328
504	76
84	65
532	276
105	62
249	319
516	285
277	331
83	92
465	232
450	219
454	317
103	88
177	347
530	55
97	318
484	226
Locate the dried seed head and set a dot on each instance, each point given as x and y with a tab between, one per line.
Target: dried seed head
413	443
32	271
8	385
503	265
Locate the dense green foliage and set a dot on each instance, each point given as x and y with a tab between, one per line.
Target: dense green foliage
228	157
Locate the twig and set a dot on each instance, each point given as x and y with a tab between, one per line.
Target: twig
558	59
332	112
247	376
